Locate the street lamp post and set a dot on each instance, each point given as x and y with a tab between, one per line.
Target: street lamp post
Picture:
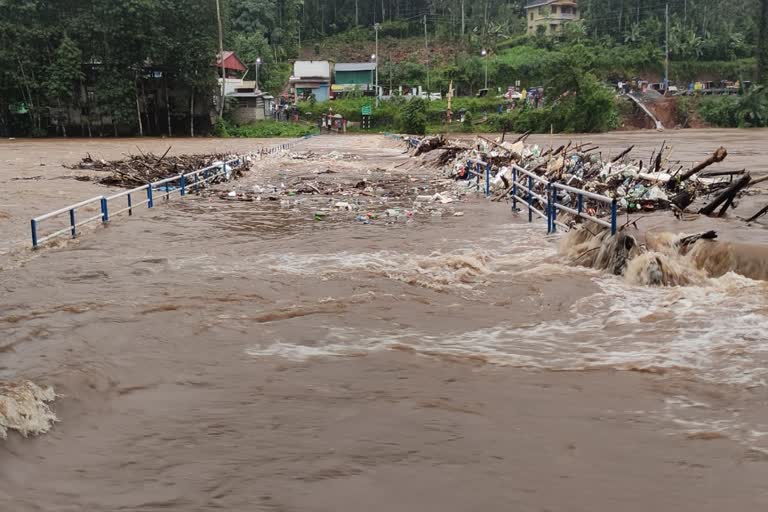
484	53
258	63
374	59
376	28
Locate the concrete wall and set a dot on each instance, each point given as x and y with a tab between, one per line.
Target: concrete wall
250	110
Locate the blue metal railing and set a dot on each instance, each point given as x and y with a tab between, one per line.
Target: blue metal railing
480	167
524	180
579	211
147	194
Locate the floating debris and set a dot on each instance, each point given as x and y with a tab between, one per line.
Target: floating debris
24	408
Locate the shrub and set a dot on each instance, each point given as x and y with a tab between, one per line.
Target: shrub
747	111
413	118
264	129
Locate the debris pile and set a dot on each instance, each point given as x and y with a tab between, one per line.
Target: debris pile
342	192
637	185
137	170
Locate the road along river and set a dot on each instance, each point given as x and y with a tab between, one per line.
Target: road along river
215	354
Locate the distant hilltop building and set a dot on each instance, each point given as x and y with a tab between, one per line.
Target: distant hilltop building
550	14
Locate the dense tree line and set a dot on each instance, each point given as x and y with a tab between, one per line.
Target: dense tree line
145	65
94	56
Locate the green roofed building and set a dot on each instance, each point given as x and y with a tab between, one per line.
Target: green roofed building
350	76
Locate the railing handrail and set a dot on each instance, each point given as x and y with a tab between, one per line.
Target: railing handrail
126	192
68	208
532	175
551	201
585	193
104	200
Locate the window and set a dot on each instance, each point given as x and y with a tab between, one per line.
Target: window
531	15
553	27
541	11
554	9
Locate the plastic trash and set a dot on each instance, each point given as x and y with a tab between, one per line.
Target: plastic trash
440	198
655	193
343	206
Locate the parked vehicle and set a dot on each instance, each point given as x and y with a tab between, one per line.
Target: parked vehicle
435	96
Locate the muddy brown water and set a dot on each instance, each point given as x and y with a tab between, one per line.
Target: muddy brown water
221	355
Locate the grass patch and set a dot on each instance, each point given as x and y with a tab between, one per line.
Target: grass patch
264	129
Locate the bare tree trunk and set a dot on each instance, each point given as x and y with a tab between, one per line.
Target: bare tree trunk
192	115
138	113
60	125
147	120
463	19
168	108
221	54
762	42
357	13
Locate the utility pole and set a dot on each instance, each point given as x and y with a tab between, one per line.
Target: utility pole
426	47
221	56
376	28
258	63
666	59
357	13
462	18
484	53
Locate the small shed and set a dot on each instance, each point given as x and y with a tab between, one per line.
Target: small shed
252	106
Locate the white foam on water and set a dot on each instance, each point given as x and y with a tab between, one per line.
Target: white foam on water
24	408
715	330
702	421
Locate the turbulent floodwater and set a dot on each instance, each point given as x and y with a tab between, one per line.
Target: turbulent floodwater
213	354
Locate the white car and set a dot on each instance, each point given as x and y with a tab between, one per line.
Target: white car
435	96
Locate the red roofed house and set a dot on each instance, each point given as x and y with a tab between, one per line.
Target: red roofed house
234	69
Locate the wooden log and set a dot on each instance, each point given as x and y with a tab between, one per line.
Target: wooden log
683	200
717	156
758	181
164	154
726	196
623	154
522	137
657	163
759	214
494	143
712	174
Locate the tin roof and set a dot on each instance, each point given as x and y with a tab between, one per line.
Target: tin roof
530	4
355	66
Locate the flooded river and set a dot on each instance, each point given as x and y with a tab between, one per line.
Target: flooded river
224	355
